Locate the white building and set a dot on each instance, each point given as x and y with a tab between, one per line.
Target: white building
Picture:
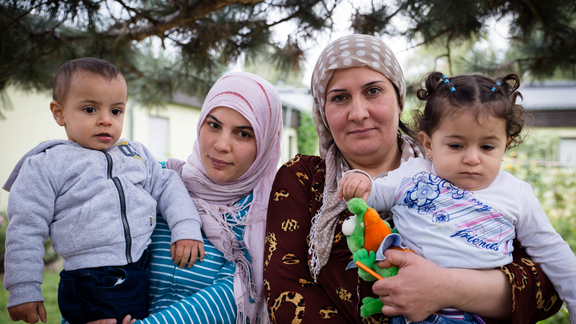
551	105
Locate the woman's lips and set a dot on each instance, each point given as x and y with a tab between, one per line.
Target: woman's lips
362	131
219	163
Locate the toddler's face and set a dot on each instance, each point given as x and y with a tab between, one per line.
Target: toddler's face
93	110
467	152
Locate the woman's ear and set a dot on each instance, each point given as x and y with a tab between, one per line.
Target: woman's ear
58	112
426	141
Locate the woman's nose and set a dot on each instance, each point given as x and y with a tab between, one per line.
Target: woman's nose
222	143
359	110
471	157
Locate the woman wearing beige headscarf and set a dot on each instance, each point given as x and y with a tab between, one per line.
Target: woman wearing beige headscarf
358	90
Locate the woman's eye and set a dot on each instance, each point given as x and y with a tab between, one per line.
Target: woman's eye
213	125
373	91
245	134
338	98
89	110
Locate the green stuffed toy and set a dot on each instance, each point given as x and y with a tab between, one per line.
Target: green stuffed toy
365	233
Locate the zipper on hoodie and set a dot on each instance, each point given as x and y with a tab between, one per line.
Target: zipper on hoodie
122	198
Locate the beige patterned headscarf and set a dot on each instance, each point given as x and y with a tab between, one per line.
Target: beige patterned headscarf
345	52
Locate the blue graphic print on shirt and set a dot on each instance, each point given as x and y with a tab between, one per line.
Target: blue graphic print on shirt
444	204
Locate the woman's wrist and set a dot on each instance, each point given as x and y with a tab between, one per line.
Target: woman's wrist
482	292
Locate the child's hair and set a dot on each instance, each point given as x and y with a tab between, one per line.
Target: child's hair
64	75
476	93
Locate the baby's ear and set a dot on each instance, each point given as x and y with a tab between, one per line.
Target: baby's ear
58	112
426	141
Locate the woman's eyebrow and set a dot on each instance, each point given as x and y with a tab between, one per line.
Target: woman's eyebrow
335	90
363	86
215	119
245	127
236	127
372	83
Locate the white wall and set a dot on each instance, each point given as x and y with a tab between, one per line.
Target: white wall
289	145
30	123
566	145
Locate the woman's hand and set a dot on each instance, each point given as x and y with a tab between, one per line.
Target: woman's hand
416	292
127	320
422	288
104	321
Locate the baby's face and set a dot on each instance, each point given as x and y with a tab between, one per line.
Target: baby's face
468	152
93	110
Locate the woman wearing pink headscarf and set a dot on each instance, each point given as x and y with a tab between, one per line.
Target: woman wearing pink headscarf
229	175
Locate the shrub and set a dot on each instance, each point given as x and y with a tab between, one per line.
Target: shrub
307	136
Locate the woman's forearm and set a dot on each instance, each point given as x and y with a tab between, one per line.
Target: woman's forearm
421	288
487	293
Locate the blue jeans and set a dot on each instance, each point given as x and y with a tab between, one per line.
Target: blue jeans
437	319
106	292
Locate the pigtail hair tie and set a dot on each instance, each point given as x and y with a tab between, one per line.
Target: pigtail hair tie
445	78
497	85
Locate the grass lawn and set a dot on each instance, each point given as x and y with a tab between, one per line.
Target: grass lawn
49	291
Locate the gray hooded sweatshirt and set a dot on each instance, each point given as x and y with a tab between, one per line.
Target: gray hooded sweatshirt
98	208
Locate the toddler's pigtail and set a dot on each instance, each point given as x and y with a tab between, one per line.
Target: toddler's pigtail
426	120
430	86
510	84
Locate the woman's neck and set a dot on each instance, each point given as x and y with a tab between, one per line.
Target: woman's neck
374	165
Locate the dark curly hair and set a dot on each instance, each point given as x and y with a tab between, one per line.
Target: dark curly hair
476	93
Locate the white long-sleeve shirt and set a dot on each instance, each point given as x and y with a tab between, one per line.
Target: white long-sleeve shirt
456	228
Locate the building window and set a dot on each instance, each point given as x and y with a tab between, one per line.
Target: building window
567	151
158	137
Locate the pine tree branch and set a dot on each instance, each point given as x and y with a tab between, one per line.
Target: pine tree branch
8	71
179	17
546	26
24	14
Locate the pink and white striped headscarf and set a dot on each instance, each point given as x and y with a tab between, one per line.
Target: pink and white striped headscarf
257	100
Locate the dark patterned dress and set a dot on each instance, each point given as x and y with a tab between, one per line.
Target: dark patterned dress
294	297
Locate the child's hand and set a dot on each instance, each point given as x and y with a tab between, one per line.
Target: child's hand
28	312
186	251
354	184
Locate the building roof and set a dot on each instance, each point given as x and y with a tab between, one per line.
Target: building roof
295	98
186	100
290	96
549	95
